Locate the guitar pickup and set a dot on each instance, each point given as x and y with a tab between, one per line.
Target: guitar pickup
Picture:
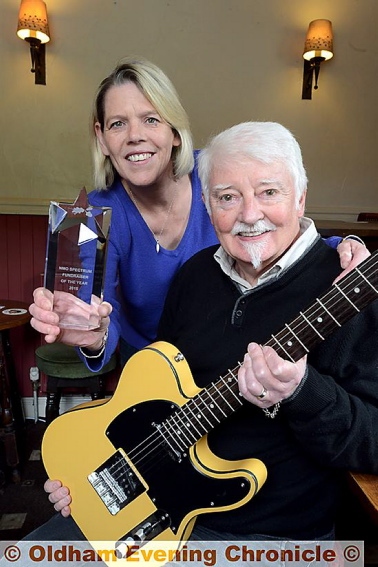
116	483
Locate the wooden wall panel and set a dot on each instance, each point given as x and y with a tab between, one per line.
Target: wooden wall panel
22	257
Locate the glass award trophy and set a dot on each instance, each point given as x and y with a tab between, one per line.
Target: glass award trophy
76	259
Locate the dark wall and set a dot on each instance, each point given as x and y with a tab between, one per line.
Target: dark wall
22	257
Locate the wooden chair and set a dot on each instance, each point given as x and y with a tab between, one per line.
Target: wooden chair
64	369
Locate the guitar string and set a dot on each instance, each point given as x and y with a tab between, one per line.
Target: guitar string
328	298
325	300
152	438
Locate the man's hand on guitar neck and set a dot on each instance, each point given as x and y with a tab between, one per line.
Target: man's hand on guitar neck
265	379
59	495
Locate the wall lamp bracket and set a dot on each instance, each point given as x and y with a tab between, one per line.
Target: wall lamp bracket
33	27
318	48
311	71
38	59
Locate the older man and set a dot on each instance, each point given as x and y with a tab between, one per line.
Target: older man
306	420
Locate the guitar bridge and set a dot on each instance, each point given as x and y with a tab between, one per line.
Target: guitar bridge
116	483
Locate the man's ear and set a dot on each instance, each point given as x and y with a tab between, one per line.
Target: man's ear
302	204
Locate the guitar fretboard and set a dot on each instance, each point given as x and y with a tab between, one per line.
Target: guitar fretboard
222	398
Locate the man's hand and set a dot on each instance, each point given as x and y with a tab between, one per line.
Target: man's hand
265	378
351	254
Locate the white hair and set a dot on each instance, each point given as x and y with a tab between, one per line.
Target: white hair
268	142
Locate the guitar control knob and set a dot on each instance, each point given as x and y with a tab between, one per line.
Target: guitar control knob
124	549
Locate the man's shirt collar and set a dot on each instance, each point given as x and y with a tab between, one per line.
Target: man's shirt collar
308	235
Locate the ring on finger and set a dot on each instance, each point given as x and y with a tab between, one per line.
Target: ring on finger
263	394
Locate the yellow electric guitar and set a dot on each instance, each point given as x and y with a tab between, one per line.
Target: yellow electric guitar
138	465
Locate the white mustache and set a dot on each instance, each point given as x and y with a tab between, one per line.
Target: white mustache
256	228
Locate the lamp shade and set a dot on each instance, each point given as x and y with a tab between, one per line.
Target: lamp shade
319	40
32	21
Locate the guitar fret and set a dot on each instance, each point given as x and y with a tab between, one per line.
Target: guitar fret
298	339
322	318
311	325
328	312
225	403
174	449
210	409
197	418
366	280
282	348
175	434
220	393
347	298
210	406
217	405
233	375
201	412
185	428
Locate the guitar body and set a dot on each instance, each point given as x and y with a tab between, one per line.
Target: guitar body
163	489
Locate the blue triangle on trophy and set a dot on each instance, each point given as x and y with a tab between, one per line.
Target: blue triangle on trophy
57	216
85	234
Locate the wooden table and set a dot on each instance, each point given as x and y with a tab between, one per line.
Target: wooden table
368	231
365	487
12	314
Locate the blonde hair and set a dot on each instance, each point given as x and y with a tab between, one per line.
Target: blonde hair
161	93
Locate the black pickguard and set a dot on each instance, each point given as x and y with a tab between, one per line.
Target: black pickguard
174	486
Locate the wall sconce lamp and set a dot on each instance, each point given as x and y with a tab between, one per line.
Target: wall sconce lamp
318	48
33	27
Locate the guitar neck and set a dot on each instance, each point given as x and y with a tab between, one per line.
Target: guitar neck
333	309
